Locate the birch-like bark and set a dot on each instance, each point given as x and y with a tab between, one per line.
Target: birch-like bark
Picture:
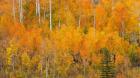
50	5
14	13
44	12
47	66
122	29
36	7
59	22
79	21
94	18
20	11
38	10
80	14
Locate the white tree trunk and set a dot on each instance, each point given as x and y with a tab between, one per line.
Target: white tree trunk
20	11
14	13
36	7
94	19
79	22
59	22
122	29
80	14
38	10
50	5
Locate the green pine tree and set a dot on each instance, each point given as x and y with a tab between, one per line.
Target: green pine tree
107	65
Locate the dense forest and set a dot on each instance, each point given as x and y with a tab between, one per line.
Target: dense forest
69	38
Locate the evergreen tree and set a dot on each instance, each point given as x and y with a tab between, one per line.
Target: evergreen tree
107	65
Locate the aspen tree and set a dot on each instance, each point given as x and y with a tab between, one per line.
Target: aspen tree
79	19
38	10
14	13
20	11
94	7
47	66
59	22
36	7
50	6
44	12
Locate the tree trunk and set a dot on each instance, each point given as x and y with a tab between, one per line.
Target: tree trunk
38	10
84	61
94	24
47	65
94	18
44	13
50	4
122	29
36	7
79	22
14	13
59	22
20	12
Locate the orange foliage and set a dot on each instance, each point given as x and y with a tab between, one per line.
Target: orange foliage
106	1
97	59
119	59
32	41
120	13
86	7
16	30
100	17
84	51
31	38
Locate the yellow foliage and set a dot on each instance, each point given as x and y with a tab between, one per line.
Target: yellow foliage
10	52
30	41
9	56
25	60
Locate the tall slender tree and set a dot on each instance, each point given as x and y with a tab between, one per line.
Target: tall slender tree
50	5
47	66
36	7
95	2
20	11
38	10
79	18
59	20
14	13
44	13
122	28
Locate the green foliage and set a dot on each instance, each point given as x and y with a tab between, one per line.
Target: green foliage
72	48
107	65
134	56
134	59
